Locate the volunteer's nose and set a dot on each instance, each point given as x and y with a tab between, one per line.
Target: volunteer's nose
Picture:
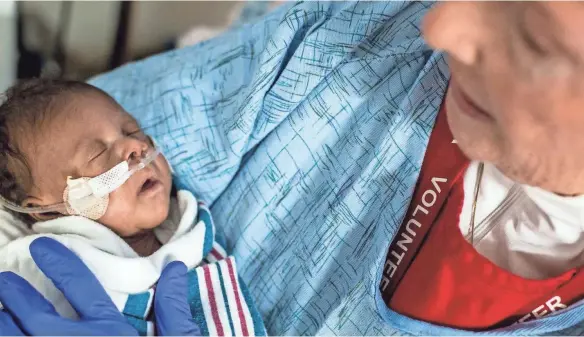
456	29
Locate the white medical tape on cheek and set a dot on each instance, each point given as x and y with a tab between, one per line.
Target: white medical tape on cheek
89	206
89	197
106	183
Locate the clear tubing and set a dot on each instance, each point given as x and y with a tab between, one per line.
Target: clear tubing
61	208
129	171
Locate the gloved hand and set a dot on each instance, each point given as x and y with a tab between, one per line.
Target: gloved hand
28	312
171	309
34	315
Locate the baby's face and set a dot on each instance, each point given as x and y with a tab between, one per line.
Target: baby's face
89	136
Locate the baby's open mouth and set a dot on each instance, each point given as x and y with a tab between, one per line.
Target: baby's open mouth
149	185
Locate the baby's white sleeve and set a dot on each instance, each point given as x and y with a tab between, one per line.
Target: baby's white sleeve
15	257
11	228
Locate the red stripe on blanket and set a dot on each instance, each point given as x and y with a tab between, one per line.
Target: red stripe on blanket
213	302
237	299
216	254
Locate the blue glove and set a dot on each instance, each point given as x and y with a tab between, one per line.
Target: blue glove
171	309
34	315
29	313
7	325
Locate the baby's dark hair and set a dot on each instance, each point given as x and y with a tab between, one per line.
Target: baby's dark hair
22	108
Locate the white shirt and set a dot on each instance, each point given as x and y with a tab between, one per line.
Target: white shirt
535	234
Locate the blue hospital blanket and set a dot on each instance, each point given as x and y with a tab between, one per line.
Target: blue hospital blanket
306	131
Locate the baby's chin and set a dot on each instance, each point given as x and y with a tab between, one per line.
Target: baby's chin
141	220
152	218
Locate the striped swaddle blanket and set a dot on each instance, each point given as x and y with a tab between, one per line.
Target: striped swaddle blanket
219	300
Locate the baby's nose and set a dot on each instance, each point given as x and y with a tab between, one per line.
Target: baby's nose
134	149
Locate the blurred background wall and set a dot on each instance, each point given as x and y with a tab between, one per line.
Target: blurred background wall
7	43
84	38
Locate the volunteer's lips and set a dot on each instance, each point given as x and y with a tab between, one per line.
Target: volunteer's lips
467	105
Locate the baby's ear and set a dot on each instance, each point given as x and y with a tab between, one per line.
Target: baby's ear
34	202
45	216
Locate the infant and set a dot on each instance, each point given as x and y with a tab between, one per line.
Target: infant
55	134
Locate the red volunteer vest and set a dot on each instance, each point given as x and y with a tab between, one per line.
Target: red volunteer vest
449	283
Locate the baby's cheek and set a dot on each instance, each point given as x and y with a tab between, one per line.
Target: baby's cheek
152	213
119	216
